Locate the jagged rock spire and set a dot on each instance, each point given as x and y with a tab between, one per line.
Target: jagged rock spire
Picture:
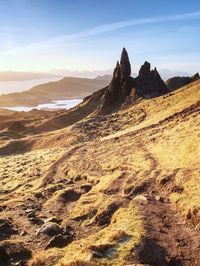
145	69
125	65
122	86
149	83
121	83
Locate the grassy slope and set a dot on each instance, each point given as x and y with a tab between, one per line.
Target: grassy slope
150	150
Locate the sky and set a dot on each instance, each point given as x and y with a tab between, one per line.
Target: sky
88	35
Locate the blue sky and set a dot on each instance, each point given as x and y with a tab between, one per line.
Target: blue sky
44	35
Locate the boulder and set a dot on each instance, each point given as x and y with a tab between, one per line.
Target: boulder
50	229
68	195
59	241
53	220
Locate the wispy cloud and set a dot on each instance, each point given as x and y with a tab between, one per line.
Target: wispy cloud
104	29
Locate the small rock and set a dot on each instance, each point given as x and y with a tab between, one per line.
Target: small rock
39	195
197	227
53	220
23	233
31	214
68	230
59	241
68	195
77	178
141	198
159	198
29	210
6	228
50	229
1	208
87	187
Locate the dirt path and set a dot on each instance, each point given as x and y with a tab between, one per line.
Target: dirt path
168	240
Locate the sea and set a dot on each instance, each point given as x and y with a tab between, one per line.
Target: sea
61	104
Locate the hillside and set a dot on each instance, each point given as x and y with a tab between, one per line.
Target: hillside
100	184
66	88
178	82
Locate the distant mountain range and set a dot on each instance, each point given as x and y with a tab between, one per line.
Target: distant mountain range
66	88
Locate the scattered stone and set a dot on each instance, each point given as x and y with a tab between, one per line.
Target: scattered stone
177	189
39	195
31	214
59	241
160	198
15	252
141	198
77	178
103	250
135	190
87	187
35	220
50	229
53	220
6	228
23	233
2	208
197	227
68	195
68	230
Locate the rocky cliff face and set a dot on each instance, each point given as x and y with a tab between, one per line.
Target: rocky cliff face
123	88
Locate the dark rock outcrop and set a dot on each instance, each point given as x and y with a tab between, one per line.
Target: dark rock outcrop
120	85
125	89
6	229
59	241
178	82
149	83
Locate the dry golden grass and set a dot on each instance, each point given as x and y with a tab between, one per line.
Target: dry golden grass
125	225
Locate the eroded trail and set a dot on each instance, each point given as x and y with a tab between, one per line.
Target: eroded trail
168	239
